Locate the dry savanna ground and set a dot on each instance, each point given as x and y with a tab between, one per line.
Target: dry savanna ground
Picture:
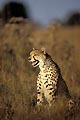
18	77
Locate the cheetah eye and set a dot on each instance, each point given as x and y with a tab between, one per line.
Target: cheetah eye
35	54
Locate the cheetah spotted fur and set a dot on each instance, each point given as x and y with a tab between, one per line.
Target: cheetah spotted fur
49	82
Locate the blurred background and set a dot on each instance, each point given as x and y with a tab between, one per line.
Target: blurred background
27	24
41	11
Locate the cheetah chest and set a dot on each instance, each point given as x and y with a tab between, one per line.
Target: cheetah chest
46	79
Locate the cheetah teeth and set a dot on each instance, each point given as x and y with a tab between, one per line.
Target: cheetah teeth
35	63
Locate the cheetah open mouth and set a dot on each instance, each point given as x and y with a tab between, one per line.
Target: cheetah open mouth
35	63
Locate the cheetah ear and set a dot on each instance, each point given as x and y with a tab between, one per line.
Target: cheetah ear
43	50
33	48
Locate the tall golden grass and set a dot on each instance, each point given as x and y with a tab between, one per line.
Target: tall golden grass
18	77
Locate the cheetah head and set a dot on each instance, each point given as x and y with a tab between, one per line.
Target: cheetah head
37	57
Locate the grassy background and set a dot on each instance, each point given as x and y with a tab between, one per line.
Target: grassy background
18	77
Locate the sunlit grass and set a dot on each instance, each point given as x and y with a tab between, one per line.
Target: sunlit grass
18	78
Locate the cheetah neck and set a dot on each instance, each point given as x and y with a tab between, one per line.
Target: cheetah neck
44	65
48	64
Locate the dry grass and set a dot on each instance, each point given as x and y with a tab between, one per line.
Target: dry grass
18	78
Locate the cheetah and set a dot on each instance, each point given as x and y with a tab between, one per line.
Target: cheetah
50	83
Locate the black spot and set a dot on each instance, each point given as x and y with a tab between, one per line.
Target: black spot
53	98
45	75
50	88
50	93
38	100
38	92
50	84
40	81
45	82
39	87
50	74
46	86
40	84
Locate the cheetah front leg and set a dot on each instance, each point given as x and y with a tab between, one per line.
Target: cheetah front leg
39	93
49	92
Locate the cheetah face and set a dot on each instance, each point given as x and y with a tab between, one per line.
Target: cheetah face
37	57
